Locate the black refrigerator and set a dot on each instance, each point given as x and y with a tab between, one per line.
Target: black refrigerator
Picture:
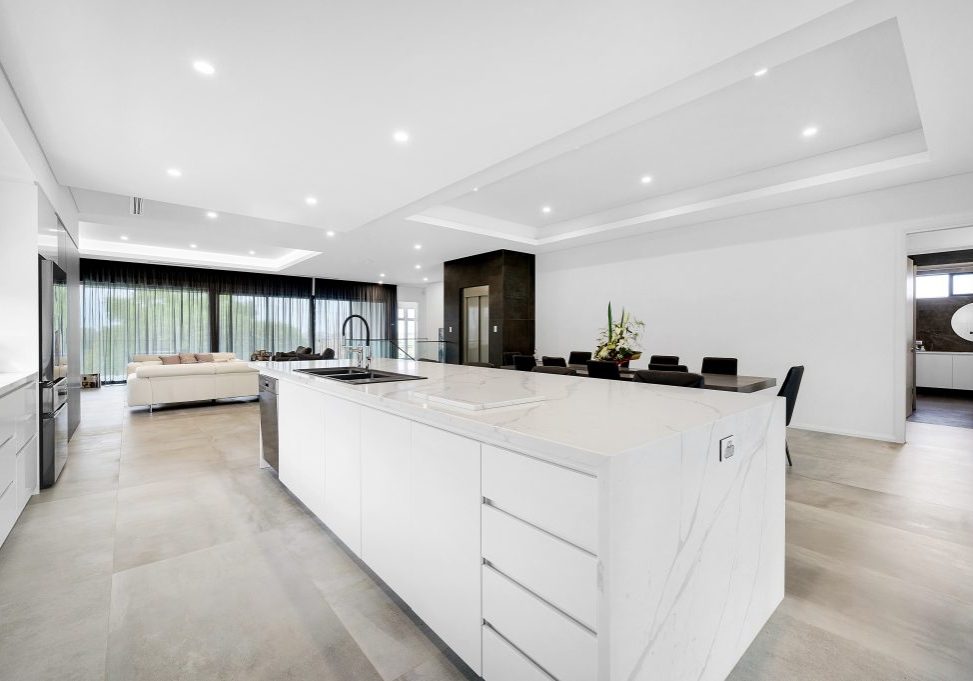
53	371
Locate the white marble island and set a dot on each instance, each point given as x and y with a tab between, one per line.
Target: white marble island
586	531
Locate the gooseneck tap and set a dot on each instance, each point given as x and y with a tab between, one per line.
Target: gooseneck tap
363	354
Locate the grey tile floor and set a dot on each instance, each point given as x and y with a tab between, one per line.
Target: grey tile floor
164	553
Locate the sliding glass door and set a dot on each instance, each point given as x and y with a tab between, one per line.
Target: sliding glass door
249	323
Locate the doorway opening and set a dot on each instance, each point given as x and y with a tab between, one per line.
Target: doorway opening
942	344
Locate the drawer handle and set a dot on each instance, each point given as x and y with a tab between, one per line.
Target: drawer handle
519	651
489	502
490	566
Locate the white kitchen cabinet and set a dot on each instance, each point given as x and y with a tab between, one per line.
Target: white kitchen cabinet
26	481
446	501
301	428
963	371
342	471
18	451
386	443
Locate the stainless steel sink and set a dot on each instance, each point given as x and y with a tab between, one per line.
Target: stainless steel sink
356	376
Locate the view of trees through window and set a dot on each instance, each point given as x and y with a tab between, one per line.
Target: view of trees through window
275	324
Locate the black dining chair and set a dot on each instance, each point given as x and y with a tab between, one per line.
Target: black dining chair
663	359
563	371
678	378
508	358
719	365
579	357
601	369
788	390
667	367
524	362
485	365
553	361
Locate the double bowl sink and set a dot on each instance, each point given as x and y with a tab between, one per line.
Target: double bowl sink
358	376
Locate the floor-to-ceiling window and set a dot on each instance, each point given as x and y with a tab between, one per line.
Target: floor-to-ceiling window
334	301
407	327
274	323
120	321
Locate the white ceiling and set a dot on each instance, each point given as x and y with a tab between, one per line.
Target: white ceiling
549	102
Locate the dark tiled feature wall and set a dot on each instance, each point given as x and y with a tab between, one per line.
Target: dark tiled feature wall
934	327
510	276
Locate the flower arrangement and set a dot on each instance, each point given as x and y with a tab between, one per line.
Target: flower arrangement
619	341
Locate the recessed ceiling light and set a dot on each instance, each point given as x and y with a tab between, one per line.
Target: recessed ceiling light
330	232
760	72
192	245
123	237
382	274
174	172
646	179
204	67
476	189
212	214
253	253
52	229
810	131
425	278
418	267
311	201
418	247
546	209
400	136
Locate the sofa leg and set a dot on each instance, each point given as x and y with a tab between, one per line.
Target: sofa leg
150	408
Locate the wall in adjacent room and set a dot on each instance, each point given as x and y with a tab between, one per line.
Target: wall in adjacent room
432	320
18	276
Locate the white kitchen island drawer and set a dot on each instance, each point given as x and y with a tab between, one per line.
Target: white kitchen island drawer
554	498
503	662
554	641
8	463
558	572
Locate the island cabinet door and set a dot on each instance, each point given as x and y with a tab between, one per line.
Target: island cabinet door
446	529
387	544
342	471
301	427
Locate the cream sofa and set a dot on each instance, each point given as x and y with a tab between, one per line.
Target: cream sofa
151	382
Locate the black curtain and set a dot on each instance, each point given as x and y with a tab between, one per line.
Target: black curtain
134	308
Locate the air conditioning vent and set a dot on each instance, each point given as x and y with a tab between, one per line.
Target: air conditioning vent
136	205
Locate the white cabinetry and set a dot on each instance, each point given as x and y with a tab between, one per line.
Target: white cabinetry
18	452
386	443
446	501
342	470
301	428
944	370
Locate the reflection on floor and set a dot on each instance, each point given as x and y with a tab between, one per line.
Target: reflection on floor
945	408
164	553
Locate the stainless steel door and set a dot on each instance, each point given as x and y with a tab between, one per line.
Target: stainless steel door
476	324
268	421
53	445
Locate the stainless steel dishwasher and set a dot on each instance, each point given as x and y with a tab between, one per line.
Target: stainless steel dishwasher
268	420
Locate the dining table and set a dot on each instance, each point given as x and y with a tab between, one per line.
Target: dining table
726	382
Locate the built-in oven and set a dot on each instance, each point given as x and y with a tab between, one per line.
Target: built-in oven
53	430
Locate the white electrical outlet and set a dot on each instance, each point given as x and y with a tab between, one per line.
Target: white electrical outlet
727	448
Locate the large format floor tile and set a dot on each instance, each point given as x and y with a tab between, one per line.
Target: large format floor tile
164	553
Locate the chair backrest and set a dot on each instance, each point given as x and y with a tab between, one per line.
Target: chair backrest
508	358
789	388
667	367
684	379
564	371
719	365
553	361
663	359
485	365
327	354
578	357
601	369
524	362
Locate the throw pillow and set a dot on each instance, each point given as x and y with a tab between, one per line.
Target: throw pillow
187	358
170	359
204	356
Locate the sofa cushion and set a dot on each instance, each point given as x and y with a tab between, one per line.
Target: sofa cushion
166	370
235	367
146	358
223	356
187	357
170	359
204	356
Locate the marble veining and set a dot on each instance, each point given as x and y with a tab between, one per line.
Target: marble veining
581	421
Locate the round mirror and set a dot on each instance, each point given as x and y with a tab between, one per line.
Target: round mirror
963	322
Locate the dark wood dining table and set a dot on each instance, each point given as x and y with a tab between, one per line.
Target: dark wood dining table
737	384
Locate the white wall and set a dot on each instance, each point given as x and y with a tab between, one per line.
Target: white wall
18	276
